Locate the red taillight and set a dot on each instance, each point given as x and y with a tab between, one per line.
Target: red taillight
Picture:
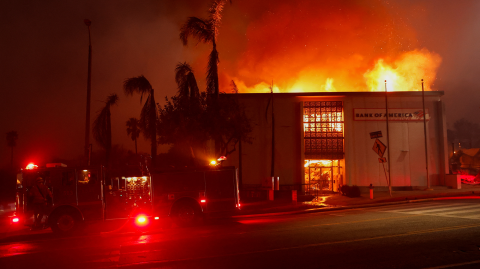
203	201
141	220
15	220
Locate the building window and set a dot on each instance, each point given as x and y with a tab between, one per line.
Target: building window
323	130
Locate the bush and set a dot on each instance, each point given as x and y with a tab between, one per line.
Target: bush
344	189
354	191
350	191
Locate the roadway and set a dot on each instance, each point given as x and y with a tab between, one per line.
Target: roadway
434	234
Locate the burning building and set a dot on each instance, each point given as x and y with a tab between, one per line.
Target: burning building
322	140
326	123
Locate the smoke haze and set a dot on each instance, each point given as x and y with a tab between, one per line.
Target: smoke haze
299	45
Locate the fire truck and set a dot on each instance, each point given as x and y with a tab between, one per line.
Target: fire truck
189	195
82	194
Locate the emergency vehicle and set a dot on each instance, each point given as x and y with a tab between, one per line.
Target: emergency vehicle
189	195
82	194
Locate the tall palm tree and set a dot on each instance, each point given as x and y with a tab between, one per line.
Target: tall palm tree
102	127
12	137
206	31
133	130
148	116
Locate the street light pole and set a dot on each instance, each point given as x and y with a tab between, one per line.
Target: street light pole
425	135
388	144
89	80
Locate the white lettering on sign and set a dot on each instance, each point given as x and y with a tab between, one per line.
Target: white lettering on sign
394	114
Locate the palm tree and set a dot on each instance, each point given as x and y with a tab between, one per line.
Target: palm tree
102	127
187	84
133	130
206	31
12	137
148	116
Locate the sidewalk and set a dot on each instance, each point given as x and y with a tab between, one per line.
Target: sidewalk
337	201
403	196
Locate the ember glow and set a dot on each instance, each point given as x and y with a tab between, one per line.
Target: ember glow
331	46
405	73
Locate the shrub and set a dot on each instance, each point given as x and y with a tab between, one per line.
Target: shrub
344	189
354	191
350	191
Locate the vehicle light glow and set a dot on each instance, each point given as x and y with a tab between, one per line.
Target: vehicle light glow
203	201
141	220
31	166
157	218
15	220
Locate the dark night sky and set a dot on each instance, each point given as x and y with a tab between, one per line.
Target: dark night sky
44	49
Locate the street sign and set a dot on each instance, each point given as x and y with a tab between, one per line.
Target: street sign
376	134
379	147
382	160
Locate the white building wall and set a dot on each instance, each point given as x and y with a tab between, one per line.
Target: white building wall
361	165
407	147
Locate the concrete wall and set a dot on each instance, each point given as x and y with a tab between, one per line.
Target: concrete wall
407	150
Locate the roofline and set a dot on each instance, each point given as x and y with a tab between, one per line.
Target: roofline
321	94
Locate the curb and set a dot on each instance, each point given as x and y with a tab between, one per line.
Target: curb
405	200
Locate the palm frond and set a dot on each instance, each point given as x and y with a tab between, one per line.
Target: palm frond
133	128
146	119
216	15
182	72
138	84
234	87
192	84
187	84
197	28
102	125
112	99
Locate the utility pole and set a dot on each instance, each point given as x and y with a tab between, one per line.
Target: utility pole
425	136
388	144
89	90
272	169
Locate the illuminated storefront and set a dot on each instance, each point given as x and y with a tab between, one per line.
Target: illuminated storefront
323	140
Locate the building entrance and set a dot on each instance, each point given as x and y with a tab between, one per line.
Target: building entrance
323	145
322	175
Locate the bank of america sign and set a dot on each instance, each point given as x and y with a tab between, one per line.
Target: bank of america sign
394	114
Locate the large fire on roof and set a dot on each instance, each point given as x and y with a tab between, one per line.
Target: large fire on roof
312	46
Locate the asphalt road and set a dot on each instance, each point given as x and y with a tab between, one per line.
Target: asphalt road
436	234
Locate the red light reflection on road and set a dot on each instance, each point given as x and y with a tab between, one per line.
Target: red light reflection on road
15	249
258	221
143	239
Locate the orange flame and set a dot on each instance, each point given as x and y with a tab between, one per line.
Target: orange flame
323	46
403	74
